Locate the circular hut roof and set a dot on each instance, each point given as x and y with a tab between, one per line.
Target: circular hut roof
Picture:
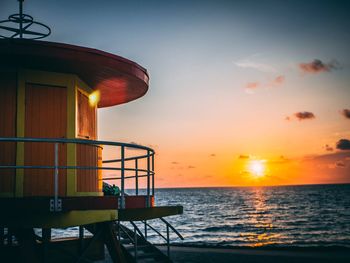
119	80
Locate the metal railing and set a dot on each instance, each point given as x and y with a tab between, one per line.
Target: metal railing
167	238
120	151
136	234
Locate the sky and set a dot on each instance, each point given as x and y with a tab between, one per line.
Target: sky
241	92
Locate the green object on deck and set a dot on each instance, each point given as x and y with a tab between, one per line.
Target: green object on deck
110	189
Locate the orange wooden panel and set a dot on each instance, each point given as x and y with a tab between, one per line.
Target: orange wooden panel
8	98
86	117
45	117
139	201
88	180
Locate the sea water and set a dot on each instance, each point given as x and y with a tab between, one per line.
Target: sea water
309	215
279	216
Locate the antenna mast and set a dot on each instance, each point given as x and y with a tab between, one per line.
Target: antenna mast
18	26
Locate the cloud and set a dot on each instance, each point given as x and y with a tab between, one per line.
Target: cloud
345	113
252	85
212	155
246	63
343	144
242	156
191	167
304	115
328	148
340	164
174	162
279	80
301	115
317	66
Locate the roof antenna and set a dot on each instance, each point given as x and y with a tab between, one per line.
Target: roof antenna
19	26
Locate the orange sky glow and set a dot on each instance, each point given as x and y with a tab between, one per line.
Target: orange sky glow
229	85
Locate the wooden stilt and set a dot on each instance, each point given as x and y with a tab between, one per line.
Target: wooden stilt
2	236
27	245
46	237
9	236
110	240
81	239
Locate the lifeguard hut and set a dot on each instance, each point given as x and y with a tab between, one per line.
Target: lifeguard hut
52	165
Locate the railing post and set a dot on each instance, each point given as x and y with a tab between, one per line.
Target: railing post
56	179
148	180
122	170
146	229
153	174
137	176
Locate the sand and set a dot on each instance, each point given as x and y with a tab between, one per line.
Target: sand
217	255
184	254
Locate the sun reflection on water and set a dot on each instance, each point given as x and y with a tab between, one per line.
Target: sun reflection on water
262	220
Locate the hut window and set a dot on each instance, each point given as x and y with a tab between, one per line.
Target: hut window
86	117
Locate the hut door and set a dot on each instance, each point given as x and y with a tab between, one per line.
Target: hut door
45	117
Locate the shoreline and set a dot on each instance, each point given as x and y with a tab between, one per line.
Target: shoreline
266	247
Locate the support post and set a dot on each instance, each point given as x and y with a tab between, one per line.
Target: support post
46	235
135	243
2	236
118	222
81	239
168	240
9	236
146	229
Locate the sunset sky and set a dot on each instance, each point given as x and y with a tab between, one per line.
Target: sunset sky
241	92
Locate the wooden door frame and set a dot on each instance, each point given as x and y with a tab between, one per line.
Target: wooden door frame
72	83
50	79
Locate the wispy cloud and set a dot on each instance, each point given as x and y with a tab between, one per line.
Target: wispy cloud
252	85
328	148
340	164
243	156
317	66
345	113
275	82
278	81
247	63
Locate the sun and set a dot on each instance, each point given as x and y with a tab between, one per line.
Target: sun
257	168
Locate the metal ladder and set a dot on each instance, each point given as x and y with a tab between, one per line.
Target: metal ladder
136	247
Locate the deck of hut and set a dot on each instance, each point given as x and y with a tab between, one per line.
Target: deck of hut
52	164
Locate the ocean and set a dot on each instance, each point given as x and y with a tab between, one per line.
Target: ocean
279	216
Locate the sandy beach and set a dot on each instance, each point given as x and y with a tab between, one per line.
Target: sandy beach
180	254
193	254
